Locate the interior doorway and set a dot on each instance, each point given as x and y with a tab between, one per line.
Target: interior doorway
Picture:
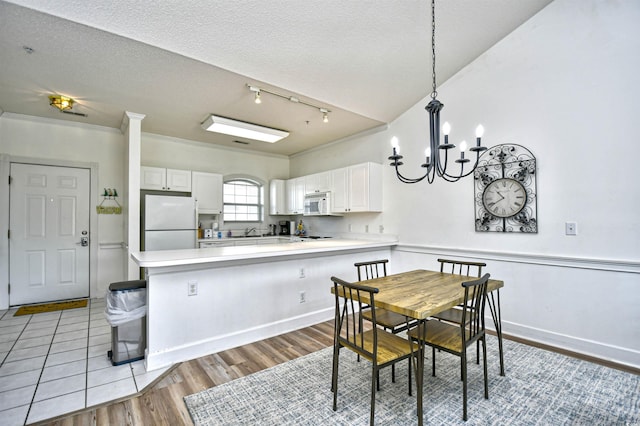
49	250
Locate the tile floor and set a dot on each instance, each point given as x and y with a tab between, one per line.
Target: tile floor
56	363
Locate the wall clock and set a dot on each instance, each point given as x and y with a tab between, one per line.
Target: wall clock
505	190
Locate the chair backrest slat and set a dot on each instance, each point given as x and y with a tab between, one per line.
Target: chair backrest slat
371	269
350	299
461	267
475	295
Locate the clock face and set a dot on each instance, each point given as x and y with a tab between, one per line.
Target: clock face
504	197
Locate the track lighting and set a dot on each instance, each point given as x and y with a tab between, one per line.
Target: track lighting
325	112
325	115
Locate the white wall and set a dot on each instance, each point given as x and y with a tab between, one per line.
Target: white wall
564	86
63	142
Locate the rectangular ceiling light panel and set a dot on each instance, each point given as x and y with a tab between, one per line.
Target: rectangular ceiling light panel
242	129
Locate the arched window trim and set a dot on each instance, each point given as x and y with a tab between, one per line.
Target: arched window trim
240	206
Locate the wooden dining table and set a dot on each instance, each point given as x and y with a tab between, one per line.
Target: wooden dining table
420	294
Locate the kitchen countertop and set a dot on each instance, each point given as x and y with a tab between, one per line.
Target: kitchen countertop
168	258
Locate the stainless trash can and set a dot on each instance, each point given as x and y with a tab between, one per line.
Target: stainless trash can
126	312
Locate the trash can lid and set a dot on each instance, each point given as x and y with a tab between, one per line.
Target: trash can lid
128	285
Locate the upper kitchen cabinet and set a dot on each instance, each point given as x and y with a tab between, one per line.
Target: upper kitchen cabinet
207	190
318	182
277	197
357	188
295	195
162	179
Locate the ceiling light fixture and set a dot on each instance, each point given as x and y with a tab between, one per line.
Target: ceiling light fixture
435	151
242	129
325	112
325	115
63	103
257	97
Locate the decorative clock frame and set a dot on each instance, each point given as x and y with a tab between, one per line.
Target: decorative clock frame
506	162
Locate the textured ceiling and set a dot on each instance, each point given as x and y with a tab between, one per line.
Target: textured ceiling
365	61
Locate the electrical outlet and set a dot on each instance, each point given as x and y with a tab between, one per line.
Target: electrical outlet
366	228
571	228
350	228
381	229
303	297
302	273
192	288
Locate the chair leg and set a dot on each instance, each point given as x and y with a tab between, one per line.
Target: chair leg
463	360
378	380
433	362
374	373
410	375
334	377
486	377
393	373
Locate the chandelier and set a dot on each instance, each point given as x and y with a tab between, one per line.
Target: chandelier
437	154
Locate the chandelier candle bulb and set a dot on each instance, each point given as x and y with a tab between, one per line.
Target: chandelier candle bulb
446	129
395	145
479	133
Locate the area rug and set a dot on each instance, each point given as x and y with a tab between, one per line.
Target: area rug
50	307
540	388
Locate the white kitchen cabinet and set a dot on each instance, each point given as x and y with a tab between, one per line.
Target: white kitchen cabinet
295	195
162	179
357	188
317	182
207	190
277	197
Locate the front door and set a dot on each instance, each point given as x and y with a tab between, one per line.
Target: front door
49	233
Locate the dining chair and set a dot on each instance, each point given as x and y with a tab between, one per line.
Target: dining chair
378	346
456	338
391	321
454	315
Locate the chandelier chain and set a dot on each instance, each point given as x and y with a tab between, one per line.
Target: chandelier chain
434	93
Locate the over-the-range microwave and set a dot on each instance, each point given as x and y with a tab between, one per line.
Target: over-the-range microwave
318	204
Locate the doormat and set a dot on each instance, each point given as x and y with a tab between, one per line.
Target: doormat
50	307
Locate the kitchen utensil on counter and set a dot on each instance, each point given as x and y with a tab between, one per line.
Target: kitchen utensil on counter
285	227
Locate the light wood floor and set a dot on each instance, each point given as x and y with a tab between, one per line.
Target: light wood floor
162	404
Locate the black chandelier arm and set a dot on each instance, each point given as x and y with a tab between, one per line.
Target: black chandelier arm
462	174
429	174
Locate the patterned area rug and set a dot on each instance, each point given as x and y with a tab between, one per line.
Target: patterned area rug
540	388
50	307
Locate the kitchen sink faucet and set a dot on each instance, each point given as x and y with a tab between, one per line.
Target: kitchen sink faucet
248	231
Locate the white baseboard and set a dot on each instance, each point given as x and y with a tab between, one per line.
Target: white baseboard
599	350
216	344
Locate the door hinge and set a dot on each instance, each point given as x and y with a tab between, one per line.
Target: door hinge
10	180
9	289
9	234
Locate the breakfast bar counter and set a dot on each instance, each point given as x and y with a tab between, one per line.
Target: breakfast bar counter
223	255
202	301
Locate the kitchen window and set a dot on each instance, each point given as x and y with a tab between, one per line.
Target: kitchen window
243	201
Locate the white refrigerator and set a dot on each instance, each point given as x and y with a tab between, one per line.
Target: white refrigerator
169	222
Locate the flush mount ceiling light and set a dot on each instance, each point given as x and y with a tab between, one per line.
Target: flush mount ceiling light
257	90
63	103
242	129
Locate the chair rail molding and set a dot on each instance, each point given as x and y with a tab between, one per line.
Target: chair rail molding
611	265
